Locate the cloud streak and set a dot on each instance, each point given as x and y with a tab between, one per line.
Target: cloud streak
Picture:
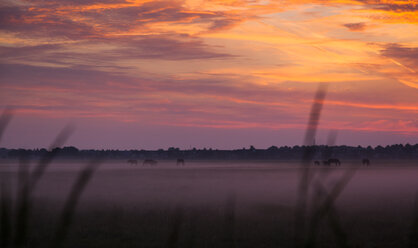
359	26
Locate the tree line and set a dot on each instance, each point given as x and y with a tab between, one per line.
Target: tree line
398	151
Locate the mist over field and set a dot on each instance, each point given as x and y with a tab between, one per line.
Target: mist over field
138	206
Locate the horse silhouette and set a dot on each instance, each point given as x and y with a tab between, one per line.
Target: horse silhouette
365	161
132	161
317	162
150	162
180	161
335	161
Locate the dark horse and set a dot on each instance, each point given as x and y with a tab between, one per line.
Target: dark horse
132	161
365	161
150	162
334	161
317	162
180	161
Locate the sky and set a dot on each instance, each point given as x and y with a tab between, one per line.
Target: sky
216	73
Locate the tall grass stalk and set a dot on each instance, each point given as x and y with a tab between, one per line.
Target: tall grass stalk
26	185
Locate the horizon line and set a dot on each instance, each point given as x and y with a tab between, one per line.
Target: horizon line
211	148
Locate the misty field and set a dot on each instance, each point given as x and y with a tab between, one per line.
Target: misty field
221	204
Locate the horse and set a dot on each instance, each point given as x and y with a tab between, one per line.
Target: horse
132	161
317	162
180	161
365	161
334	161
150	162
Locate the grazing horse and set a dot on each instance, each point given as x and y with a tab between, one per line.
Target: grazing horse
317	162
365	161
132	161
180	161
150	162
334	161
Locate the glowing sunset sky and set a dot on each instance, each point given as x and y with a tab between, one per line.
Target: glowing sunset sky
213	73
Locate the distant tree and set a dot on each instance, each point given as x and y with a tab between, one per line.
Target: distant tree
69	151
273	148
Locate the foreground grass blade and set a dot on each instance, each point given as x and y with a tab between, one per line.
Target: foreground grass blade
5	215
5	194
44	162
327	208
23	203
5	119
336	227
69	208
300	212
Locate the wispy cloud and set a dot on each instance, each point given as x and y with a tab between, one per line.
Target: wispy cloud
407	55
359	26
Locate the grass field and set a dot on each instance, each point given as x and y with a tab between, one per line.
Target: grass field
223	204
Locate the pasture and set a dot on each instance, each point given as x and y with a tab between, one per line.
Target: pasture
222	204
